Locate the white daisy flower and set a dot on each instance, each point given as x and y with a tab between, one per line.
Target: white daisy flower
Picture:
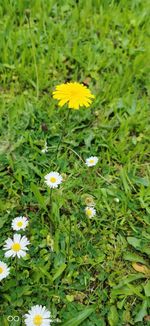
53	179
38	316
91	161
90	211
4	270
19	223
16	247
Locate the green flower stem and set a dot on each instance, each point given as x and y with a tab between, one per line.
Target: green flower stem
63	132
50	198
50	211
16	274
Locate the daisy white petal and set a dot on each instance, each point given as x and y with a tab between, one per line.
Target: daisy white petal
4	270
8	242
91	161
16	246
53	179
90	211
24	241
9	253
17	237
38	316
19	223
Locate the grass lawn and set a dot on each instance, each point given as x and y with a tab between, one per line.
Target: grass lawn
85	271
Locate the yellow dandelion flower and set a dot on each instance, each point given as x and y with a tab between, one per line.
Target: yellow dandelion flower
74	94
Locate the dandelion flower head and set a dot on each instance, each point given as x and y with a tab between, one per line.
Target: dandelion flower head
74	94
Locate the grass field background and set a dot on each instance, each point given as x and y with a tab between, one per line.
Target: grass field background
104	265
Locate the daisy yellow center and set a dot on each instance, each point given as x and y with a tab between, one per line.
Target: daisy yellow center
91	161
37	320
53	179
88	212
1	270
19	224
16	247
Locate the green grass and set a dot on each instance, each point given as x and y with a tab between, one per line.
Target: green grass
105	44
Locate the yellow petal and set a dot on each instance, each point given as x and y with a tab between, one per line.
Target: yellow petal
73	93
62	102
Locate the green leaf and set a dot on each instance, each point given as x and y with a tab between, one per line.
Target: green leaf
142	181
127	290
70	298
142	312
37	194
136	243
147	289
46	273
131	256
88	139
59	271
136	290
120	304
79	318
123	176
35	169
146	220
128	279
146	249
3	220
113	317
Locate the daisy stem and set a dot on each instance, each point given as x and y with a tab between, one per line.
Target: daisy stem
62	133
16	272
50	211
50	197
